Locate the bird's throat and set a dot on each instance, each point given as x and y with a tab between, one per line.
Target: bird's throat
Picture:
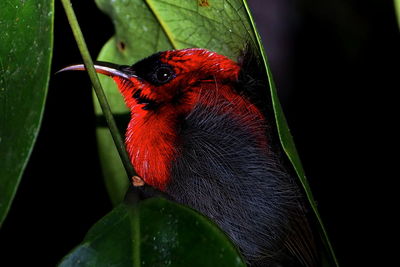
151	141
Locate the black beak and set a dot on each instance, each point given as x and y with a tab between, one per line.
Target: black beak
105	68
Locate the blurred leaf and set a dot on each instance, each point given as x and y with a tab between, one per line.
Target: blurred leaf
26	42
156	233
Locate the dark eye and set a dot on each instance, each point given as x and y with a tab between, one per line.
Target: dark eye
163	74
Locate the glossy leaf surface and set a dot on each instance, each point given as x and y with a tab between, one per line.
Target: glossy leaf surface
26	41
156	233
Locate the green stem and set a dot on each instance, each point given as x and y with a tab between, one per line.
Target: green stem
97	88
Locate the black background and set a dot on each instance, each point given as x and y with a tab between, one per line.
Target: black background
333	61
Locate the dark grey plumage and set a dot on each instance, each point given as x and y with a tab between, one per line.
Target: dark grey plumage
223	172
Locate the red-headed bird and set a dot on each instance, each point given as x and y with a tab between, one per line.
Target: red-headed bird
197	134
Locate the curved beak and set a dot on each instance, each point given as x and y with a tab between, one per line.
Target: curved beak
105	68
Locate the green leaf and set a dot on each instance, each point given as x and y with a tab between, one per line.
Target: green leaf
156	233
26	42
221	26
145	27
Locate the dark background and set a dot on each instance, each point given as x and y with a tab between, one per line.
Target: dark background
333	62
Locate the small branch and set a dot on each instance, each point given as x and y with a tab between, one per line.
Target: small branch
97	88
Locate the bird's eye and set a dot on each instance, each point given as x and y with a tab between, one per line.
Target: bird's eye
163	74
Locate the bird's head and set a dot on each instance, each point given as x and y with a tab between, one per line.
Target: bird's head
160	90
169	78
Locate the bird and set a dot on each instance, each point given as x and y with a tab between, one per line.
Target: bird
201	132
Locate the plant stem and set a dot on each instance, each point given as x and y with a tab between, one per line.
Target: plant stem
87	60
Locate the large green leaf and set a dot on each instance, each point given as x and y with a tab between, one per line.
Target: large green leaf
26	41
144	27
156	233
